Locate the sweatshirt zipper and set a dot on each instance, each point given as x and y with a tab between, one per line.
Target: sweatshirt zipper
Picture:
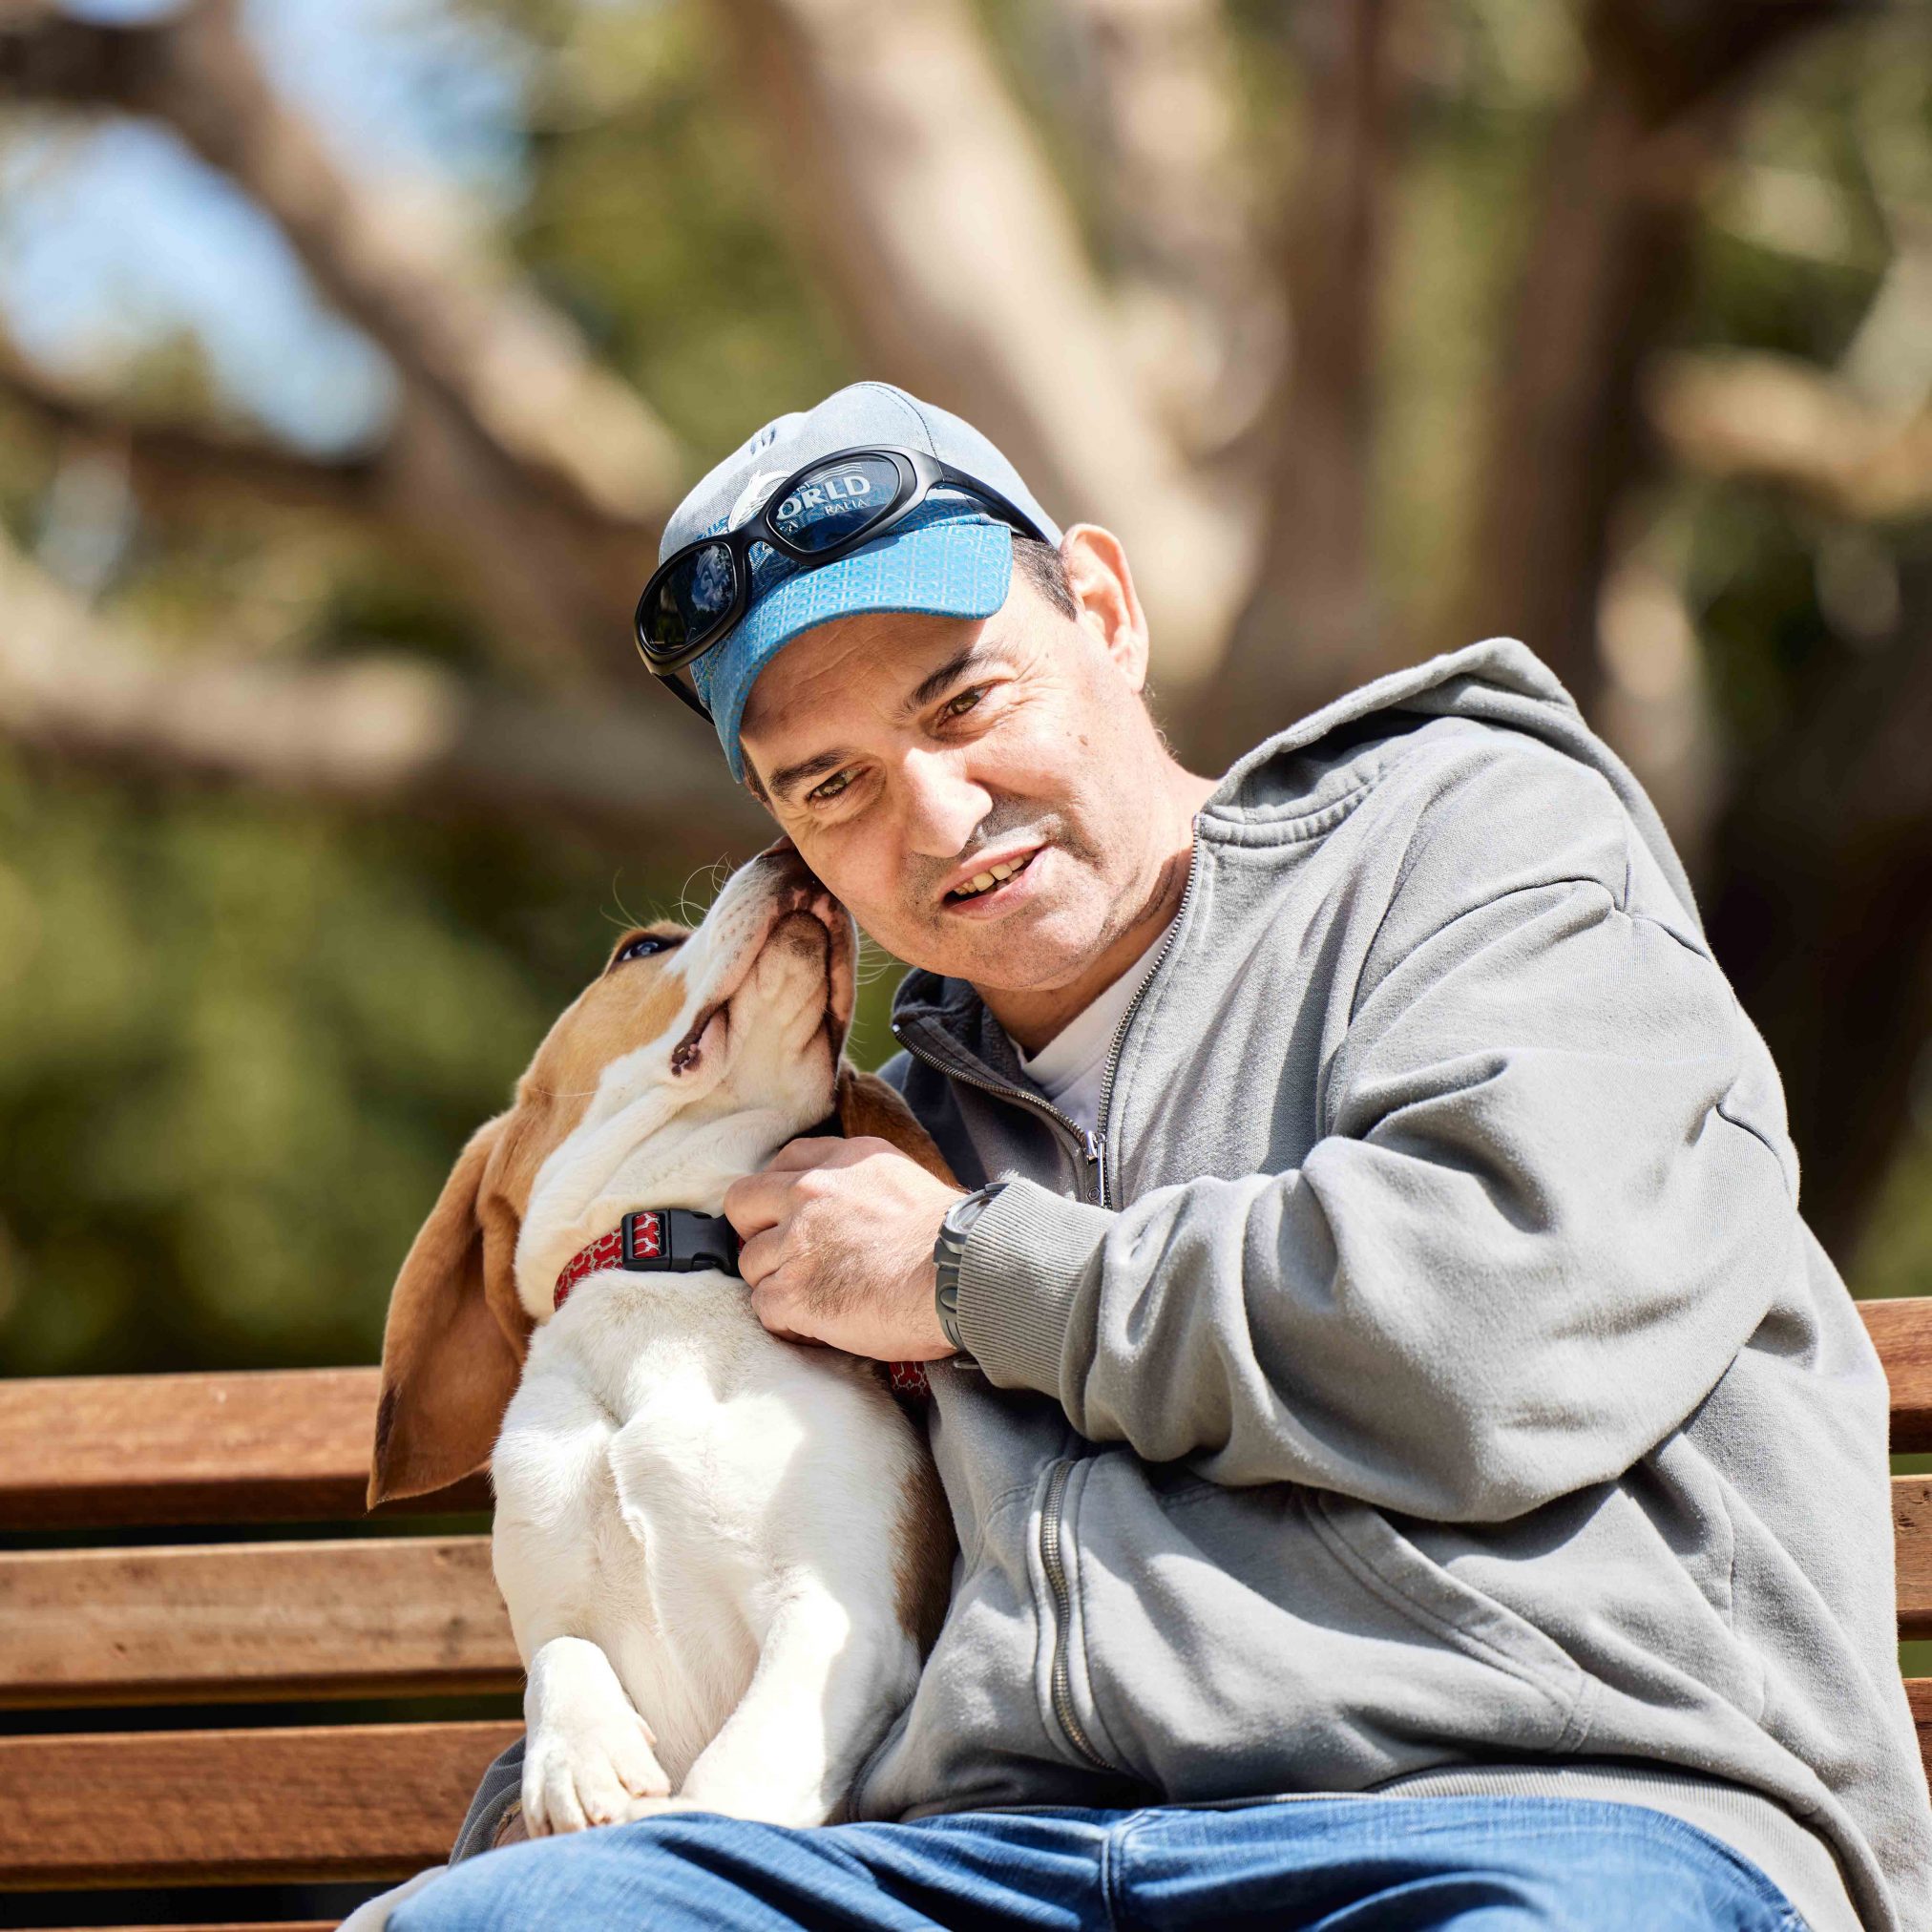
1051	1519
1092	1149
1087	1147
1053	1562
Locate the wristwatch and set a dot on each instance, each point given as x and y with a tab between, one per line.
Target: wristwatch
948	1251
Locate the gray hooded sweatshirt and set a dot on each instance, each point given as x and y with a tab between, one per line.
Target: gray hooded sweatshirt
1424	1381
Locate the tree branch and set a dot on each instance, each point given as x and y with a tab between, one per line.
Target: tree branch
1777	420
379	733
167	457
945	240
544	473
416	488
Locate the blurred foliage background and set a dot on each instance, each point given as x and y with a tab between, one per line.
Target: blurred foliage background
352	353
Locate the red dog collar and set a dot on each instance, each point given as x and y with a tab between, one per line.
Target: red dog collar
679	1241
656	1241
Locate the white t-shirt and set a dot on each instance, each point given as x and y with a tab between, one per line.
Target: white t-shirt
1071	1067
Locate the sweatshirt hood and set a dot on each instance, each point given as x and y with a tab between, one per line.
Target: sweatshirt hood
1499	681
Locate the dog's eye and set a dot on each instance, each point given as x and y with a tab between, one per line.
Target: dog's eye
642	947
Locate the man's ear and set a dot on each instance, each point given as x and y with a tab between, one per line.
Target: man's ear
868	1106
1102	585
449	1365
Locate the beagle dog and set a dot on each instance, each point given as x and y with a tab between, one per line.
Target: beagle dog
724	1555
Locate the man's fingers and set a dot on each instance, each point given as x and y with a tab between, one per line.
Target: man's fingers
814	1151
761	1255
756	1201
759	1201
772	1308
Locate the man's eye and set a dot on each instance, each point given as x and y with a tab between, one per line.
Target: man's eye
824	793
958	707
642	947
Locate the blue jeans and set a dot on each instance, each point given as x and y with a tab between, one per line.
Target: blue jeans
1476	1864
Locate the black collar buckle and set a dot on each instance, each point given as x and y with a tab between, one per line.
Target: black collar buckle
678	1241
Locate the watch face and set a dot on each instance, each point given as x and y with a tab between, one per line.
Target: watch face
963	1214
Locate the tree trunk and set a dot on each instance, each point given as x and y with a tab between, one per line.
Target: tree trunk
1312	626
1622	176
1822	914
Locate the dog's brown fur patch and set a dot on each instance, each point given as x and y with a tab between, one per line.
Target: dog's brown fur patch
868	1106
454	1341
922	1572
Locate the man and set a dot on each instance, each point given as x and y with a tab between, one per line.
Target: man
1380	1362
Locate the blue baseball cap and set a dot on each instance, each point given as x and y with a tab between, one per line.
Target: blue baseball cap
950	558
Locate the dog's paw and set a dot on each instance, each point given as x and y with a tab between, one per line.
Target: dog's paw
588	1759
599	1773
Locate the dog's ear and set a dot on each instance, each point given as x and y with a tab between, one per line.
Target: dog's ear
449	1365
868	1106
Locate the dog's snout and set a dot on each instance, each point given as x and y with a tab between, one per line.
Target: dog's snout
790	873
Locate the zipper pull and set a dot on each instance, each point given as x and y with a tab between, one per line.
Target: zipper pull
1095	1149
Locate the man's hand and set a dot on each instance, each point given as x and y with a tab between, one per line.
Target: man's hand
838	1247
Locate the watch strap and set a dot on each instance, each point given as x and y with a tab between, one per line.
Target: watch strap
949	1251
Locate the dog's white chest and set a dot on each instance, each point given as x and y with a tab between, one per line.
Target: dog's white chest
664	1470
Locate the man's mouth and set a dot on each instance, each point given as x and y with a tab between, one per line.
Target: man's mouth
992	878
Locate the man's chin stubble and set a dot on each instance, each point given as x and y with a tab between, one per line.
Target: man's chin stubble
982	955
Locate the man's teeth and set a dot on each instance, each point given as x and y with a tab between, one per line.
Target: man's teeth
993	876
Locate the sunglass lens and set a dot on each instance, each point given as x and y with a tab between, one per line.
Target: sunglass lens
837	502
694	600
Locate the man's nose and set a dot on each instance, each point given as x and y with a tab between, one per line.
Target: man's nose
944	806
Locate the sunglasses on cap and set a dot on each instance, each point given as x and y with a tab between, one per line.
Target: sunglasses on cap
832	507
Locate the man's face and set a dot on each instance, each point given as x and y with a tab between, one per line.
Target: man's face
910	757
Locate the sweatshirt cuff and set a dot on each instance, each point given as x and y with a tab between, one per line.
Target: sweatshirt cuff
1023	1265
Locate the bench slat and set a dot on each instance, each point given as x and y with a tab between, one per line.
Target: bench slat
293	1445
351	1803
395	1616
1901	1330
189	1807
282	1445
1912	1533
382	1616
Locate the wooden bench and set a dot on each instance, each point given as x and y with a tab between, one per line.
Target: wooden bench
277	1620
